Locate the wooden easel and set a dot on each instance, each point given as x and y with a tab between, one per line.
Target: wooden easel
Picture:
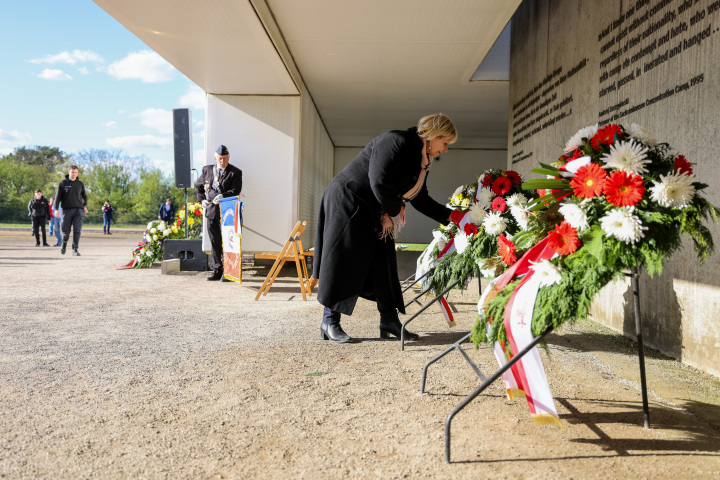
292	251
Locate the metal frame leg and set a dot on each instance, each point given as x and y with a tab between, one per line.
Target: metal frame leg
486	384
454	346
641	347
402	329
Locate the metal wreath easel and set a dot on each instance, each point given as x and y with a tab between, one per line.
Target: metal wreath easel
487	381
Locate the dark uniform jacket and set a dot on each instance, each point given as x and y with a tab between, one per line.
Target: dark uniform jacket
230	185
350	260
39	208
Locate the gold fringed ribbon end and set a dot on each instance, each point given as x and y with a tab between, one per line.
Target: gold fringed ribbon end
547	419
451	324
513	393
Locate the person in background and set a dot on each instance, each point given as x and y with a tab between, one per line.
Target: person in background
39	211
72	198
107	217
221	180
166	212
354	244
55	223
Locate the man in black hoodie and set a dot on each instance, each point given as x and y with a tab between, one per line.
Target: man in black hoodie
73	200
39	211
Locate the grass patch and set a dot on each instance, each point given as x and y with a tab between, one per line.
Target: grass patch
410	247
316	374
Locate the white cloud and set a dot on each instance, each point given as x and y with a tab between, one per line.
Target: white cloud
54	74
194	98
70	58
110	124
157	119
14	137
141	141
144	65
84	71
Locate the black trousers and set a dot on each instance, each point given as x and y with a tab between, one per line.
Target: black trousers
215	236
38	223
72	217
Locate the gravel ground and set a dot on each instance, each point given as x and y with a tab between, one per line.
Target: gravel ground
108	373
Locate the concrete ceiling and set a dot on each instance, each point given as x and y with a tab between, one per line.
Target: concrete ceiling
369	65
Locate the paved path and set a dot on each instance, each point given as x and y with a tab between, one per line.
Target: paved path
110	373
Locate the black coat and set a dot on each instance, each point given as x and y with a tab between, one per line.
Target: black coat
350	260
230	185
39	208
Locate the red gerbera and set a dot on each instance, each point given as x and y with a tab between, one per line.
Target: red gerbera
514	177
624	189
498	205
576	154
563	239
605	136
507	250
682	166
487	180
470	229
198	212
589	181
501	186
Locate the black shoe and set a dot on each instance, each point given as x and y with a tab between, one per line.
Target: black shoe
394	329
46	244
76	253
37	244
216	275
334	332
64	247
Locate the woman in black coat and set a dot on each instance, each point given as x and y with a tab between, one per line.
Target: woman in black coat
354	245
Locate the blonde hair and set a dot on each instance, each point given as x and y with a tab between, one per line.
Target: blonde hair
437	125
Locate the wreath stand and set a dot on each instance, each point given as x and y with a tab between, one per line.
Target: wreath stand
487	381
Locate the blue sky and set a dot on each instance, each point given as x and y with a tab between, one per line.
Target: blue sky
74	78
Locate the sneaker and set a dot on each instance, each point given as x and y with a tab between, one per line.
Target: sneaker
76	253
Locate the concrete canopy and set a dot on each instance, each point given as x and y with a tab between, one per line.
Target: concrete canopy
370	65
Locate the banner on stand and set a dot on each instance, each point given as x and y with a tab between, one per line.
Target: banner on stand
231	226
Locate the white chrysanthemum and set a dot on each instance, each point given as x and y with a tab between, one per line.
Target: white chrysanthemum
515	200
675	191
521	216
161	225
148	238
167	232
486	197
153	230
155	237
623	224
629	156
575	216
150	225
639	133
462	241
441	238
576	140
486	270
477	214
494	223
546	272
149	253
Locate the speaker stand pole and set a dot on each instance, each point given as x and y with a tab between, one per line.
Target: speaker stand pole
186	215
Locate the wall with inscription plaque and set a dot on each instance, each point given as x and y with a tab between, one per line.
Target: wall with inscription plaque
576	63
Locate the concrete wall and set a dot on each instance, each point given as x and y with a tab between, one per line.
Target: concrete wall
653	62
455	168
